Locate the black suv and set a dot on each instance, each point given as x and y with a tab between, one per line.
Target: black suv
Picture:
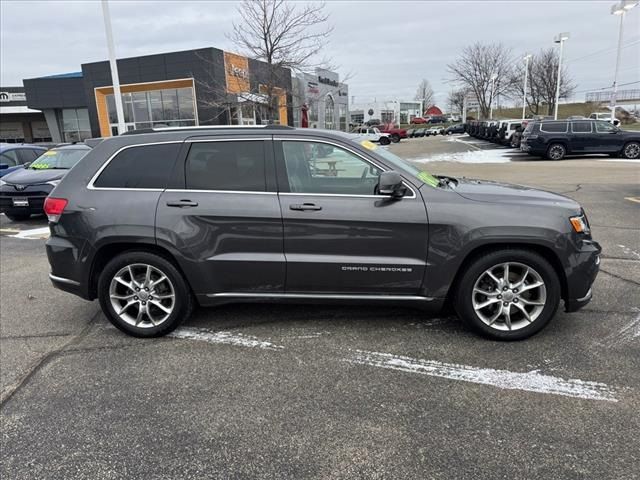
153	223
554	139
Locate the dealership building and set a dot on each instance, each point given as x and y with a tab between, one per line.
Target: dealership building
320	100
196	87
387	111
18	122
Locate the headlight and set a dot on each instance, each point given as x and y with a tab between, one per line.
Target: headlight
54	182
2	182
580	224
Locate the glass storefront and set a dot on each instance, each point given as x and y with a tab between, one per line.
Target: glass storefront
329	110
75	124
343	116
173	107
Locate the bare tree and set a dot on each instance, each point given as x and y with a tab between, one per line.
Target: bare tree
425	93
287	36
456	100
542	82
485	71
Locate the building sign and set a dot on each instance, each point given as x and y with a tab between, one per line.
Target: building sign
328	81
236	69
13	97
312	87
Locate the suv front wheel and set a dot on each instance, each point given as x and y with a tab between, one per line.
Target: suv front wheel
144	294
556	151
508	294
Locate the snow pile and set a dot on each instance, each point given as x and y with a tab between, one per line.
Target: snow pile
473	156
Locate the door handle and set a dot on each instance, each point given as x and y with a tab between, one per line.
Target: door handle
305	206
182	203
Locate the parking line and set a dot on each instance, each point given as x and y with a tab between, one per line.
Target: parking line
33	234
633	199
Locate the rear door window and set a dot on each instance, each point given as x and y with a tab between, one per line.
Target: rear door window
581	127
227	165
10	158
140	166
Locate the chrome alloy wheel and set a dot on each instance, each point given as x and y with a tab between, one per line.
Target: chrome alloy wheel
509	296
142	295
632	151
556	152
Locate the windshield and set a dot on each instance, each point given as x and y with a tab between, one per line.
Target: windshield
58	159
403	165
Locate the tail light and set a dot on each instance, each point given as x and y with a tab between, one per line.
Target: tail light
54	207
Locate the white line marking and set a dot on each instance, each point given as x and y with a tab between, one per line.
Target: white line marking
629	251
528	381
621	160
33	234
238	339
627	334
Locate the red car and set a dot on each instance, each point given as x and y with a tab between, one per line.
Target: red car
394	133
418	120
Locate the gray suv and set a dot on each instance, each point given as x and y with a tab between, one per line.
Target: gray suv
157	222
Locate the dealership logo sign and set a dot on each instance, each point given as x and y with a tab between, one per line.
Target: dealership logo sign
239	72
328	81
13	97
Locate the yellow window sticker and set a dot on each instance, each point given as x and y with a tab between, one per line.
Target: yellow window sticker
368	145
49	153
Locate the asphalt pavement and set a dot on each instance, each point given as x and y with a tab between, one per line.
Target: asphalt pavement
274	392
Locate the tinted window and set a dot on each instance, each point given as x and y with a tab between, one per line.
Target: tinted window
604	127
9	158
581	127
553	127
226	166
145	166
321	168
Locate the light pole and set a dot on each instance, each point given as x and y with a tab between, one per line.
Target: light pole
493	88
620	9
561	38
526	75
114	67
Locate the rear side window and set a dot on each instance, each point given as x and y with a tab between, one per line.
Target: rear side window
144	166
232	165
581	127
604	127
555	127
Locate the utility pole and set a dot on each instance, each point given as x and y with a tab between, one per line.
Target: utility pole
561	38
526	75
114	67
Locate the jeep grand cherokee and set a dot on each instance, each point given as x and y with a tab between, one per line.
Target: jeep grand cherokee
154	223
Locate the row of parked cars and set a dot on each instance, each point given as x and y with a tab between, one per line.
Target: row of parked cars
432	131
29	173
556	139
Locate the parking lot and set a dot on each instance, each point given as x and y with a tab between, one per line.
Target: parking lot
298	391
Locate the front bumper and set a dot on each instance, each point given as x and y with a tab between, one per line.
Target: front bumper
585	265
12	200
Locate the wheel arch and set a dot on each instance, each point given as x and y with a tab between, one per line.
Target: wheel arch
108	251
546	252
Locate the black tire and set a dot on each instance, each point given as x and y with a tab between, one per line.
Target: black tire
631	151
395	138
464	294
183	299
384	141
556	152
18	217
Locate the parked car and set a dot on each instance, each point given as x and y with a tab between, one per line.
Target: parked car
606	116
419	132
556	139
394	133
418	120
14	156
410	132
433	131
373	134
23	192
152	223
506	131
459	128
437	119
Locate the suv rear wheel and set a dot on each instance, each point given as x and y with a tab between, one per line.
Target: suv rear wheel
556	151
508	294
144	294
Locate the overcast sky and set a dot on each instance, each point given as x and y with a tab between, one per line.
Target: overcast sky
385	46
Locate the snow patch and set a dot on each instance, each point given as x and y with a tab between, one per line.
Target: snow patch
33	234
627	334
474	156
629	251
237	339
532	381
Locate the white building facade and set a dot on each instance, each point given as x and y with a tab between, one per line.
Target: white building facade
394	111
320	101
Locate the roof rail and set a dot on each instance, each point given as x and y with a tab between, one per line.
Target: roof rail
206	127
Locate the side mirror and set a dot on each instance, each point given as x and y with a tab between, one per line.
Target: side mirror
390	183
4	166
26	165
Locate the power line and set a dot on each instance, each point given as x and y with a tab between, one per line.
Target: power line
600	52
605	88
